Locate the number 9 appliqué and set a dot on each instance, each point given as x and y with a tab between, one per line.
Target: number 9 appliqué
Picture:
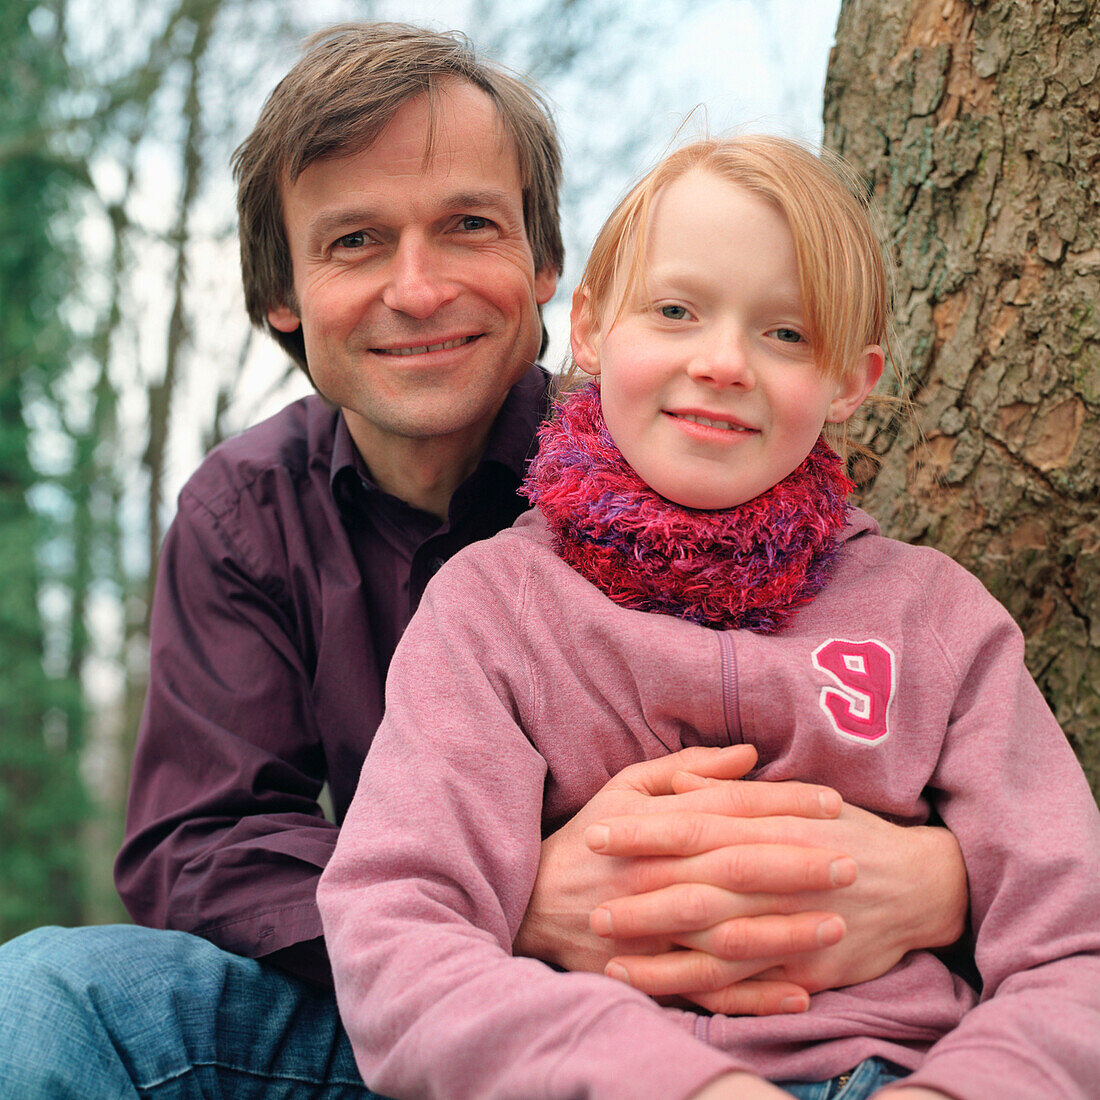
859	706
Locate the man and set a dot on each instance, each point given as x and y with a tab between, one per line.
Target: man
398	203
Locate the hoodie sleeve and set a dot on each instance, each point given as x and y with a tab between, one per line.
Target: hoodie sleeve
1010	789
433	872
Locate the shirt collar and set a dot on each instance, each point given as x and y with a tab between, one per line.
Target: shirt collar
511	442
348	477
512	436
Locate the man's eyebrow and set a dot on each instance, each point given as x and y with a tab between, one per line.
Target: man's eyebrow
329	222
488	197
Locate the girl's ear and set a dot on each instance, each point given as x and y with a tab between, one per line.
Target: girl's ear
584	333
852	390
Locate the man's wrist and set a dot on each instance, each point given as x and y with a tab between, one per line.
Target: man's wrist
549	931
532	939
944	882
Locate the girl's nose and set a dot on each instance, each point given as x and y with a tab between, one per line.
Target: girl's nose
724	361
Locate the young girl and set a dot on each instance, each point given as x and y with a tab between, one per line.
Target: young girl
692	575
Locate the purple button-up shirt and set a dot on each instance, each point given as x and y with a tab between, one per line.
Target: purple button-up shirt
285	582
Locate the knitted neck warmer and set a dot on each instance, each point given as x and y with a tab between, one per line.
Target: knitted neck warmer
748	566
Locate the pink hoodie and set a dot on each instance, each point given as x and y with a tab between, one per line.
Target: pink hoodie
519	689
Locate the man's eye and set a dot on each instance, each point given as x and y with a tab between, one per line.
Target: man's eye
788	335
352	240
674	313
471	223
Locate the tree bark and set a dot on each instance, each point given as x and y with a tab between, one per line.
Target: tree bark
977	129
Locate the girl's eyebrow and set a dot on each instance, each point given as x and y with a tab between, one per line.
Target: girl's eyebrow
670	278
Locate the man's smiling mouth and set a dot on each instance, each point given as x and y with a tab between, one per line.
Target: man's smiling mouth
423	349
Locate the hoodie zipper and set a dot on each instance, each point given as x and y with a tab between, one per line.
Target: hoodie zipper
729	686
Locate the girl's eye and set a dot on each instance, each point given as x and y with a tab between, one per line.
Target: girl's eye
788	335
674	313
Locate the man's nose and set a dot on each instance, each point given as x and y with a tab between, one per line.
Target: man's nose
723	359
416	280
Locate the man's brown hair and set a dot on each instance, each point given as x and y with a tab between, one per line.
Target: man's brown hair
338	98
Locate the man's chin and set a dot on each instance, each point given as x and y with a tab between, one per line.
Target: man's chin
442	416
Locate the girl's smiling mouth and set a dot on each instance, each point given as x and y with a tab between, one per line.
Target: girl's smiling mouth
723	423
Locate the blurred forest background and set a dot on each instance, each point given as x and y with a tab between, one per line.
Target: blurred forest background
125	352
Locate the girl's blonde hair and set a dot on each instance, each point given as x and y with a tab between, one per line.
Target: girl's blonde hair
843	279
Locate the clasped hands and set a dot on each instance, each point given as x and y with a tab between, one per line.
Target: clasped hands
742	897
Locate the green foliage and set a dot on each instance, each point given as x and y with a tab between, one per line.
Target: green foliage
41	798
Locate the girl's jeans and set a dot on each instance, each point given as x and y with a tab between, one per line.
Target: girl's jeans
865	1080
95	1013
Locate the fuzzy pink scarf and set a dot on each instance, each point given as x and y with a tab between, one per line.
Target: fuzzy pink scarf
748	566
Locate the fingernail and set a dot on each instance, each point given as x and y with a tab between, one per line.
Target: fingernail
614	970
601	922
831	802
794	1004
830	931
842	872
597	837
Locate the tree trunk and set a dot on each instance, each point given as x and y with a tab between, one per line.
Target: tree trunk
977	129
202	14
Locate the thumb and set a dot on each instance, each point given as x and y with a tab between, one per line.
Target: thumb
682	782
655	777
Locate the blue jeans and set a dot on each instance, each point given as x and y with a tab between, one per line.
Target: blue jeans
124	1012
865	1080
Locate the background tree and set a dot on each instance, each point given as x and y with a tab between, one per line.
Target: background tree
977	128
41	798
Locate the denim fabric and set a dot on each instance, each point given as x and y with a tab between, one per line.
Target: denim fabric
865	1080
122	1012
125	1012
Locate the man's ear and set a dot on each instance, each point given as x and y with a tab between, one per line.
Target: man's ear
852	390
546	282
584	333
283	319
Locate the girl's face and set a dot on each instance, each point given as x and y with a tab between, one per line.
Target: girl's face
708	379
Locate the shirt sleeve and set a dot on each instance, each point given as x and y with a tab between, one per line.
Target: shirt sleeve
434	870
1010	789
224	836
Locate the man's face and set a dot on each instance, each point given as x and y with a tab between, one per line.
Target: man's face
414	280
